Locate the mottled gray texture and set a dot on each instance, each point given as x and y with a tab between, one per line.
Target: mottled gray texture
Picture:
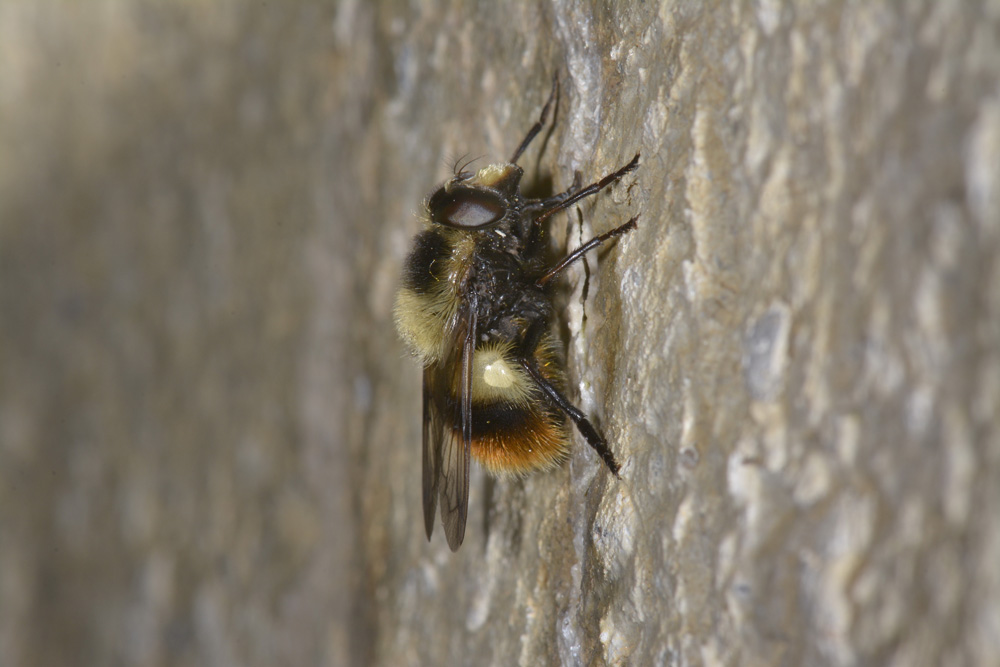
209	433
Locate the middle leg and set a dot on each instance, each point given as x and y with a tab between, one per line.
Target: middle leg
584	249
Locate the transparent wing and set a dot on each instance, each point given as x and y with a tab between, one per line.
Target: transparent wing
448	431
432	435
457	443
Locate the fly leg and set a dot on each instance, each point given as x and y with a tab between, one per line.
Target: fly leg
533	205
556	398
537	127
583	425
591	189
584	249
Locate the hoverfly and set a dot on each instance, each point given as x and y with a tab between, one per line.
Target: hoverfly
474	307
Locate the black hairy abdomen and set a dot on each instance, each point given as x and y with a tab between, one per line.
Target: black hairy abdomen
426	264
502	419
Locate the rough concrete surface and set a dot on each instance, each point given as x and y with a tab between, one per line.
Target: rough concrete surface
209	432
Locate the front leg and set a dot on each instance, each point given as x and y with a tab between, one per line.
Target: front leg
534	205
591	189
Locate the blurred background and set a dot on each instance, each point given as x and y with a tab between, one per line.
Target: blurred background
209	434
189	226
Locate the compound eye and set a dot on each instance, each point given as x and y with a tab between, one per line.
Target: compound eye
466	208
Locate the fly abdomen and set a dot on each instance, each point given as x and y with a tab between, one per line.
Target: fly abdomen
427	264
